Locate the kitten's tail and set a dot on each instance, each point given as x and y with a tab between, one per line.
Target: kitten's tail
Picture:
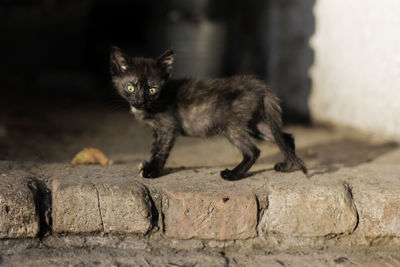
285	142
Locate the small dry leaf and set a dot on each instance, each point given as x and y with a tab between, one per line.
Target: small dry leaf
311	153
90	156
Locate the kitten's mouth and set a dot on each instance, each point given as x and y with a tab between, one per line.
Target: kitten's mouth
137	106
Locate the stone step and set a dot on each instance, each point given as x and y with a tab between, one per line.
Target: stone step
357	206
18	207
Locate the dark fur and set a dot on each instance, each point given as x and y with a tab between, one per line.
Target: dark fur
238	108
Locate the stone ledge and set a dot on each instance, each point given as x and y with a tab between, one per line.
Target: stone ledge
200	205
376	191
267	208
379	212
75	208
309	210
223	215
125	208
83	208
18	217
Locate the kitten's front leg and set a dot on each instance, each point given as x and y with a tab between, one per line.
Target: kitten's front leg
250	152
162	144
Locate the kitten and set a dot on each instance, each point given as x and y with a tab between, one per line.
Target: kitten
239	108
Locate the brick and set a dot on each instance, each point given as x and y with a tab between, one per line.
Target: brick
309	210
75	207
379	210
125	208
100	206
18	217
209	215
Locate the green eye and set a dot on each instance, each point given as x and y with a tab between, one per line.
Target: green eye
130	88
152	90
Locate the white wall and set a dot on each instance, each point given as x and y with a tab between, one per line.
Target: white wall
356	71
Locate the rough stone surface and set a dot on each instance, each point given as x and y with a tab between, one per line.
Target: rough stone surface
215	215
35	255
309	210
113	257
75	207
380	215
18	217
314	258
125	208
94	206
378	200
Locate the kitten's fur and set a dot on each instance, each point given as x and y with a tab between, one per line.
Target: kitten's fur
238	108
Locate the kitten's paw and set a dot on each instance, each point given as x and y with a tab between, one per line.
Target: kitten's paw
284	167
148	171
229	175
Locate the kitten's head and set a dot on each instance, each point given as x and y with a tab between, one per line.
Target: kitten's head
140	80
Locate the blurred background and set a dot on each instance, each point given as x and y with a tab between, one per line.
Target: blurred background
329	61
59	49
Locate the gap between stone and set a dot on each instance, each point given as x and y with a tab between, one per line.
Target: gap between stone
98	205
43	202
349	190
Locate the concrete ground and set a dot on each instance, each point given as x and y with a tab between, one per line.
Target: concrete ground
147	256
345	212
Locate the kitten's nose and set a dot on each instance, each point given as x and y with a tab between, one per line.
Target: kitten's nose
138	104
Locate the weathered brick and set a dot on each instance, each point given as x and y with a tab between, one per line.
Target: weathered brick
125	208
376	194
75	207
112	207
18	217
379	210
309	210
209	215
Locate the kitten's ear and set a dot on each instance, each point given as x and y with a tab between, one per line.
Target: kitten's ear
165	61
118	62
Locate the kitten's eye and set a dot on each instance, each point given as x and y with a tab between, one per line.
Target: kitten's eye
130	88
152	90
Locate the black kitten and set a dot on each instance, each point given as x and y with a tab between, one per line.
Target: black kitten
238	108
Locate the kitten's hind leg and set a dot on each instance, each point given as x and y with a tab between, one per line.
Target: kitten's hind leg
242	140
288	150
285	142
